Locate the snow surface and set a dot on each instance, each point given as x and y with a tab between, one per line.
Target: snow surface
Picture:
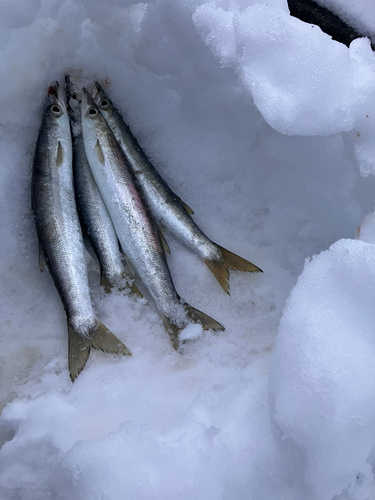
263	125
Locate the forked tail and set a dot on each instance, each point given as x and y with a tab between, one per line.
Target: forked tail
79	348
197	316
220	268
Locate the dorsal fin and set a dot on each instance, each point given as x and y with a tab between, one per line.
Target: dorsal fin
163	241
186	207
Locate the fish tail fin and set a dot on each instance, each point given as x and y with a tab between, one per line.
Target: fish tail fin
221	273
206	321
197	316
220	268
79	347
173	332
78	353
103	339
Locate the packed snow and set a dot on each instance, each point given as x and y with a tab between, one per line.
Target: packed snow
265	127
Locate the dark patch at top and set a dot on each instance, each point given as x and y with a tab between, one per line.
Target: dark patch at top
312	13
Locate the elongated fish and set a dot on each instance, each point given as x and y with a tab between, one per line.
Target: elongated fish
166	207
60	236
135	228
90	204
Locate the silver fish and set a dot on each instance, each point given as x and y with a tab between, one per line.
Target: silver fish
60	236
135	228
91	207
166	207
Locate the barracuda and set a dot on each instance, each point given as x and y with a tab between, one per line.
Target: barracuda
60	236
91	207
134	226
166	207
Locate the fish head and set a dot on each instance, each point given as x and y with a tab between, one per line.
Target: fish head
94	125
101	98
104	103
56	117
89	110
91	115
56	106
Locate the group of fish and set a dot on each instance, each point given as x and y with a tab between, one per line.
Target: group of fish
90	171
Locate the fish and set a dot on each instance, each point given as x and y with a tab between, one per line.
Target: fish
166	207
60	237
91	207
136	230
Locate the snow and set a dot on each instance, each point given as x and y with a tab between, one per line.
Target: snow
263	125
322	382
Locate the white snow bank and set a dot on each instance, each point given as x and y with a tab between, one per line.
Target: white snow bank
301	81
322	382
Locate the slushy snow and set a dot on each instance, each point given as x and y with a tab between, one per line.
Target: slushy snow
265	127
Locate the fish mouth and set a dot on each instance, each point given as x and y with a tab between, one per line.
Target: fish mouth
101	98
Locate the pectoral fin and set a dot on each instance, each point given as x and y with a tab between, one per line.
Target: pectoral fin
59	155
99	152
91	257
42	259
130	271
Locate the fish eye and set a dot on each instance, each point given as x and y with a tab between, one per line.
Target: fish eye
92	112
56	110
104	103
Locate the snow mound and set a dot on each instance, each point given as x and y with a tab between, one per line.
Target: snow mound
322	381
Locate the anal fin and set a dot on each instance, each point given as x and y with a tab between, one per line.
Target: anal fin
91	257
134	290
130	271
105	283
